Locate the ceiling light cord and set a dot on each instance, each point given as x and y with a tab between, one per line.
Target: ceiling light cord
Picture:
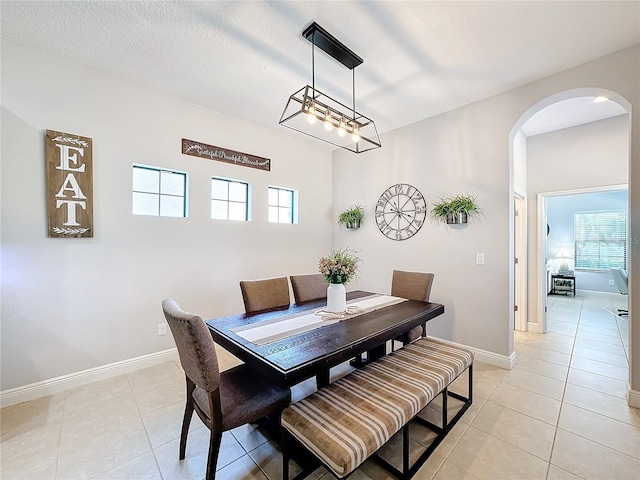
311	107
353	70
355	135
313	64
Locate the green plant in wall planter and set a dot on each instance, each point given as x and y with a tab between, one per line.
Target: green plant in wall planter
455	210
351	217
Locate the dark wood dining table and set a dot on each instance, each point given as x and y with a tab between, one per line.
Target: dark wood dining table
291	360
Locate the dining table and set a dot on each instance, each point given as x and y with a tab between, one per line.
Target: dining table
290	344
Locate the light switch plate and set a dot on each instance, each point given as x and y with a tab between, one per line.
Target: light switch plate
480	258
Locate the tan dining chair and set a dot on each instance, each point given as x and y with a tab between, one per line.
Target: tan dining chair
308	287
265	294
414	286
222	400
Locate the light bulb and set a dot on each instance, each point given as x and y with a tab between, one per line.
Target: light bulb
328	124
311	113
600	99
341	130
355	136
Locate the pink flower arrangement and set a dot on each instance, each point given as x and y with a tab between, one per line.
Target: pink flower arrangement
340	266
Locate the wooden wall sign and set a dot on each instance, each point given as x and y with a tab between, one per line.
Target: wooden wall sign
69	161
202	150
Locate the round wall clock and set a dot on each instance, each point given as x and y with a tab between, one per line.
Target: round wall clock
400	211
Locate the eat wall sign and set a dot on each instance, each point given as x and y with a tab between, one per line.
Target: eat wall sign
69	161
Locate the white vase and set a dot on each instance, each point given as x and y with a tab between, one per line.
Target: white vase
336	298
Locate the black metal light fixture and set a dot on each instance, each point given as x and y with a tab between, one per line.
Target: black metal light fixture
316	114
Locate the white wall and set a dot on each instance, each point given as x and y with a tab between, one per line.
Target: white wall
590	155
466	149
520	163
75	304
459	151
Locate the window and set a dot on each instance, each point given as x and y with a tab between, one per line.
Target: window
601	239
282	203
159	192
229	199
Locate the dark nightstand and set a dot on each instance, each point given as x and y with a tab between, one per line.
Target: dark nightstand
563	284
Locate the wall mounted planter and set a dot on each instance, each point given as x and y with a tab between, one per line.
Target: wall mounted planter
351	217
455	210
457	218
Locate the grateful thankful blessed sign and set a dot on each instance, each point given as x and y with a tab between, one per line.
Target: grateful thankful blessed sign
69	185
197	149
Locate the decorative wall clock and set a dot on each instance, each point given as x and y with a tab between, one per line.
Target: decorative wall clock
400	211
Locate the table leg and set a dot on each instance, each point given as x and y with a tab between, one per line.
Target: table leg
377	352
373	354
322	378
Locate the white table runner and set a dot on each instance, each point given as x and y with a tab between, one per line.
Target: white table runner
271	330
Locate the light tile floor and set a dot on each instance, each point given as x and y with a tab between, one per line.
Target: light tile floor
559	414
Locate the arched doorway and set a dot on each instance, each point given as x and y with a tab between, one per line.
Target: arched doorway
534	277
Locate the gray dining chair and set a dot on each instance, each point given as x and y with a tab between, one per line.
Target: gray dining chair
308	287
414	286
222	400
265	294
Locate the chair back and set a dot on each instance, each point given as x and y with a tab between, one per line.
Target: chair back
265	294
621	279
308	287
195	346
412	285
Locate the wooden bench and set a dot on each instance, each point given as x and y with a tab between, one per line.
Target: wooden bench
347	421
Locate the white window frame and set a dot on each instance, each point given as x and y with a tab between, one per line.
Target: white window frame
247	200
159	193
607	233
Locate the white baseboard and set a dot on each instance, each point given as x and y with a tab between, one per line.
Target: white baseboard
51	386
633	398
533	327
502	361
65	382
495	359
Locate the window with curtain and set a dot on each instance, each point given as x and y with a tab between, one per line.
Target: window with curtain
600	239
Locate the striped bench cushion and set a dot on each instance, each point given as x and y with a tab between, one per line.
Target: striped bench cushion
348	420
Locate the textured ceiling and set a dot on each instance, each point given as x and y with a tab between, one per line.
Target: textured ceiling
244	58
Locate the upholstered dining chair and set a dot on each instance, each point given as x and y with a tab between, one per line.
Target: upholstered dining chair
222	400
414	286
308	287
265	294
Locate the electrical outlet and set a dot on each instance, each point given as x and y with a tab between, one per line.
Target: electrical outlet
162	329
480	258
611	283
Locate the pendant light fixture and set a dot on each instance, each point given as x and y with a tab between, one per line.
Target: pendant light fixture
316	114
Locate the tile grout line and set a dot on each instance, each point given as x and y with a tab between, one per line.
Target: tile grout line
564	389
64	399
248	454
617	319
146	431
586	409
